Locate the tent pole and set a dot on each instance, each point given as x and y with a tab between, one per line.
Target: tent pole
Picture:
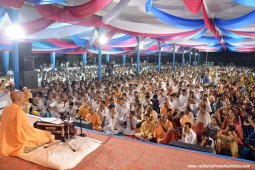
6	59
173	64
159	55
99	61
138	38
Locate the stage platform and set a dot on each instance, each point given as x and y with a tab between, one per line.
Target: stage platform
130	154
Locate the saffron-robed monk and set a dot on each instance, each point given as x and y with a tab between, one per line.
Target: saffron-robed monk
16	132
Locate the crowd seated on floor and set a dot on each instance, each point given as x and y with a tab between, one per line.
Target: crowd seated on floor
210	106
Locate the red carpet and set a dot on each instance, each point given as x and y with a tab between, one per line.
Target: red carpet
118	153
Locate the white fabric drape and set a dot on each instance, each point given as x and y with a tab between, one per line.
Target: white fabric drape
115	12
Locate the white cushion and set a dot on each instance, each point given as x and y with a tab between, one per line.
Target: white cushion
60	156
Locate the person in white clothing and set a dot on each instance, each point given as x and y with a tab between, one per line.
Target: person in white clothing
112	116
122	110
128	128
203	116
188	135
70	110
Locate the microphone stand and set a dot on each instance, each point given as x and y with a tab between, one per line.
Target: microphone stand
63	138
81	134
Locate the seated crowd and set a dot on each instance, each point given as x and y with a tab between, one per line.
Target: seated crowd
206	106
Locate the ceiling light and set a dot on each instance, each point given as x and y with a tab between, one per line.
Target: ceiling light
102	40
15	32
140	46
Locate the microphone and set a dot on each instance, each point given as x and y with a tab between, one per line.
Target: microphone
30	100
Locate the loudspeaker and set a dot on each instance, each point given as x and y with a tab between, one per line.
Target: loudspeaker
29	79
26	60
191	146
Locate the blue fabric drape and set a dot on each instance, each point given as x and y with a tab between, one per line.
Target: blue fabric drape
5	46
13	14
230	34
2	12
239	22
67	50
233	40
79	41
46	45
200	34
119	40
177	21
44	2
246	2
6	59
148	5
207	39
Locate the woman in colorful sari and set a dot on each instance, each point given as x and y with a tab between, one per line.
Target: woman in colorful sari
239	130
227	142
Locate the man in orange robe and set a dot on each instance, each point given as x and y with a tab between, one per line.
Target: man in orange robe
161	128
27	96
94	118
16	132
84	110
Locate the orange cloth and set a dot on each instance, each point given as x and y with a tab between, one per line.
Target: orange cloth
17	133
83	111
185	119
163	110
118	94
2	88
95	120
107	102
27	96
159	132
27	104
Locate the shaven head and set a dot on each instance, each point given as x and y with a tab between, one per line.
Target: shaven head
17	97
25	89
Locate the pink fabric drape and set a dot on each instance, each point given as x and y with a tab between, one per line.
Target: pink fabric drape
12	3
36	25
209	23
193	5
63	15
78	51
88	9
246	34
128	49
246	49
131	42
5	42
63	44
33	26
186	45
153	48
180	35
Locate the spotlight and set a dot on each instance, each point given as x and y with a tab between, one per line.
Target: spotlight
102	40
140	46
191	52
15	32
